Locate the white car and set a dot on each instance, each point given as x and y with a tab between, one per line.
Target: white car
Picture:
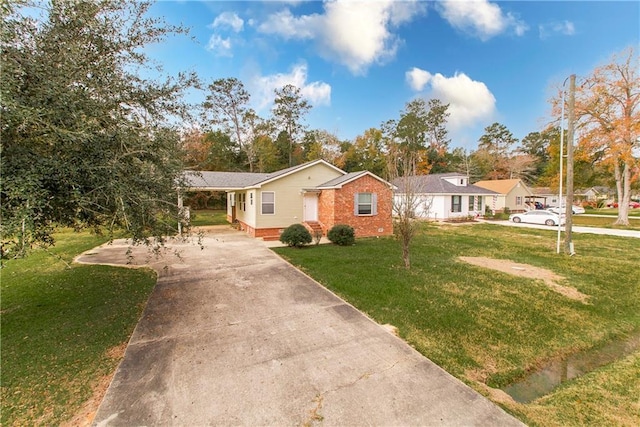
537	217
576	210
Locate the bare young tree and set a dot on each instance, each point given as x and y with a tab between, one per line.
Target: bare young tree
408	199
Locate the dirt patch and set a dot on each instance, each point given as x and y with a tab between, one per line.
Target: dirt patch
87	412
530	272
497	395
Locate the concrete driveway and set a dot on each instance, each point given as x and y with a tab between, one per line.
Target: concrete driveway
233	335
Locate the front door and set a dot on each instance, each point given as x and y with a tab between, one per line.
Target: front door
310	208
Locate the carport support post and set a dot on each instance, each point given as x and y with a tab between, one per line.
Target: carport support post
568	244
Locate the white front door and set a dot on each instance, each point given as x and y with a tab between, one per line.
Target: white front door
310	208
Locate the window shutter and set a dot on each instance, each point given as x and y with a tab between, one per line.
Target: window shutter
374	204
355	204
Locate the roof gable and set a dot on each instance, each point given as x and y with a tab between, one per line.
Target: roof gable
294	169
208	180
502	186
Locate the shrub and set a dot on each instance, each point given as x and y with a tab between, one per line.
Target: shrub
296	235
342	234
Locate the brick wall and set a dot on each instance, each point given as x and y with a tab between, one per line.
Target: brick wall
337	207
326	210
273	233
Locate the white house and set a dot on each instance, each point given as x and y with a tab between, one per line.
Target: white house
442	196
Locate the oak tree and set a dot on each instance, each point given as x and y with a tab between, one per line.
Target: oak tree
87	135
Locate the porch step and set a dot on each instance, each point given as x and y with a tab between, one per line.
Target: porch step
315	227
271	238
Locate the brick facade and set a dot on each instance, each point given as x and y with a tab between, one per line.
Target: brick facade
336	206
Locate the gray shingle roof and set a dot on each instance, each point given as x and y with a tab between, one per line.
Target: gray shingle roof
436	184
222	180
341	179
236	180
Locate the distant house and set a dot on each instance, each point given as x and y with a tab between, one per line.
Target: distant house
442	196
593	194
547	197
316	194
512	194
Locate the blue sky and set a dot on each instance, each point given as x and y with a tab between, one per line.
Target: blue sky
359	62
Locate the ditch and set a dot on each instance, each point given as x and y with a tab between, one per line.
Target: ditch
544	380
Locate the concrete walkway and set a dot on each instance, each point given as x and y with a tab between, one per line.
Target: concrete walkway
233	335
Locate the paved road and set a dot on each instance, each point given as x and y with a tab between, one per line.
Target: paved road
232	334
575	229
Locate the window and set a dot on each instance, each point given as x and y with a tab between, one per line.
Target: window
268	203
480	203
472	202
456	203
518	200
251	199
365	204
244	202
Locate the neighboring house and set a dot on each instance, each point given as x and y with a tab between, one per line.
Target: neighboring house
547	197
316	194
442	196
512	194
593	194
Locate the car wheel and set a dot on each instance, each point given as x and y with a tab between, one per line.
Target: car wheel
550	222
516	219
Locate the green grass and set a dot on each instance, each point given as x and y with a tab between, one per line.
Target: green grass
58	325
487	327
204	217
633	213
605	222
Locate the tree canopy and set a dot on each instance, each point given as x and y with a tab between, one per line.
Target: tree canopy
608	113
86	126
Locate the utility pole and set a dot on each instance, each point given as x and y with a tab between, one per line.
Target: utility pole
568	243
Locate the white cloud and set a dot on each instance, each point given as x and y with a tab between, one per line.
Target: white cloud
469	101
262	87
480	17
565	28
417	78
228	20
353	33
219	45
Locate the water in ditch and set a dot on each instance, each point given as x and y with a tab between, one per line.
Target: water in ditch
543	381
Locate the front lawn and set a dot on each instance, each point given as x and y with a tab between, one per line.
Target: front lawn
63	329
489	328
203	217
605	222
